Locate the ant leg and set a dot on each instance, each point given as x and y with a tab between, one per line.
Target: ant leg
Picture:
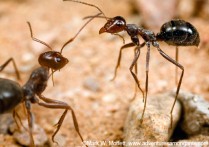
14	64
55	104
177	58
14	113
35	39
147	79
119	58
30	122
19	119
180	80
136	71
131	69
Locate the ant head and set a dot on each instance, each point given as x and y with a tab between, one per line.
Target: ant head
53	60
114	25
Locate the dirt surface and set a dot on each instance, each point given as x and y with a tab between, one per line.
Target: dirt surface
101	106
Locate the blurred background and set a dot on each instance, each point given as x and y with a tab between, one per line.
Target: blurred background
100	105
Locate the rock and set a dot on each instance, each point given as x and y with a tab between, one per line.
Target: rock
91	84
22	136
196	114
156	122
7	141
5	120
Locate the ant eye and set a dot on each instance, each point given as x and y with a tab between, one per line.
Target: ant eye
119	23
57	59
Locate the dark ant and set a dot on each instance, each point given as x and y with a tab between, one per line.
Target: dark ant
12	94
52	59
113	33
175	32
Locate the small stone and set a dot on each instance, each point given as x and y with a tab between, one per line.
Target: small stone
5	120
22	136
156	122
7	141
61	139
91	84
196	114
28	57
109	98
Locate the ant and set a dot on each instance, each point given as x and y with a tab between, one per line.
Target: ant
52	59
12	94
113	33
175	32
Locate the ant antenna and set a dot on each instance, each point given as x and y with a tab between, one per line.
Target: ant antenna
87	17
35	39
79	31
88	5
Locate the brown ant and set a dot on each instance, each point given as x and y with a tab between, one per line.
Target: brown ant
175	32
52	59
12	94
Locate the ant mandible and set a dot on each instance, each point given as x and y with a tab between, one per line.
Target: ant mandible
12	94
175	32
52	59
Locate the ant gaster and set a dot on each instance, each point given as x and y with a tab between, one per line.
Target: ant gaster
12	94
175	32
52	59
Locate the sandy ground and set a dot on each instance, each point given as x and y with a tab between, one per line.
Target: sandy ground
101	106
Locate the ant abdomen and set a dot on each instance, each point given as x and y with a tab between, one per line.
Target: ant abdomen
10	95
179	33
53	60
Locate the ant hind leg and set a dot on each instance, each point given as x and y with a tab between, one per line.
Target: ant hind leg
179	82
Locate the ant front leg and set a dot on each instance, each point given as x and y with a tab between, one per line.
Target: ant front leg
134	64
119	58
14	64
55	104
180	80
147	79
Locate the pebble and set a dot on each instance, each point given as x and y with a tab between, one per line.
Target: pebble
109	98
5	120
156	122
22	136
91	84
196	114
